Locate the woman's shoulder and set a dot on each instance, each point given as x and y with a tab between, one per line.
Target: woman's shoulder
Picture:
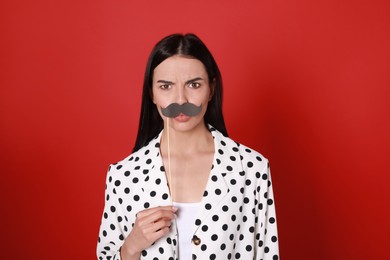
249	157
230	144
133	162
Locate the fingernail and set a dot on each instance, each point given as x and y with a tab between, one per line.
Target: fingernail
174	209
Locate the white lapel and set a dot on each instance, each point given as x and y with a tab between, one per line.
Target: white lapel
156	189
226	160
156	175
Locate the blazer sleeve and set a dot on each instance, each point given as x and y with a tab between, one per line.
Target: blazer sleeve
111	235
266	228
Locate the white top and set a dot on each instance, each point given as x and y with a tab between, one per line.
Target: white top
185	222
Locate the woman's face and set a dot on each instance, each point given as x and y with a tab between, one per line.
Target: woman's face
180	80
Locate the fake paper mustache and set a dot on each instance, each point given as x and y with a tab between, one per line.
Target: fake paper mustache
188	109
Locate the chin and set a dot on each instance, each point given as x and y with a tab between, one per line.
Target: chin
187	125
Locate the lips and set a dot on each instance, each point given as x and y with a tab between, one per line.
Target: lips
182	118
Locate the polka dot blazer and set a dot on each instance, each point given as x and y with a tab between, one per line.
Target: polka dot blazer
237	216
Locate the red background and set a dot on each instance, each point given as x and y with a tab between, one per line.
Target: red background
306	84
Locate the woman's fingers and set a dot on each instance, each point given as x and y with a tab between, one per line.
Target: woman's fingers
150	225
160	224
146	218
150	211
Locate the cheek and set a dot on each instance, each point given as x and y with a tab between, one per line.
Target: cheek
158	100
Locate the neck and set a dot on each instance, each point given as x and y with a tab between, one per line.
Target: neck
198	139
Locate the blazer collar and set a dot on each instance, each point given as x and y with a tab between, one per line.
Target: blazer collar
226	160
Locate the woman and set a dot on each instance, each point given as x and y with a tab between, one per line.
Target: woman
187	191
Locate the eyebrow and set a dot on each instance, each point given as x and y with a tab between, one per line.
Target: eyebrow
165	82
193	80
187	82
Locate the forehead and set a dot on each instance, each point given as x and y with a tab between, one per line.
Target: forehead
179	67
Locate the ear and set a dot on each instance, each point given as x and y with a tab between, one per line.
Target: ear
212	89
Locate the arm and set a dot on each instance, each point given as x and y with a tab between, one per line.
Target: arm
111	235
266	228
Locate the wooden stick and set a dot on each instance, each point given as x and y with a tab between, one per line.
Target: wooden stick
169	161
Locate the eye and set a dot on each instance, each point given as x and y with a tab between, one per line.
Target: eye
194	85
165	87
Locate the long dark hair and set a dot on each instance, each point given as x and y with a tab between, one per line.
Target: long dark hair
151	123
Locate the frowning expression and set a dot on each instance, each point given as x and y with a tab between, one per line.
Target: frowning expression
181	80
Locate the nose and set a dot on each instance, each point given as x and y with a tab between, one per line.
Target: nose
181	96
